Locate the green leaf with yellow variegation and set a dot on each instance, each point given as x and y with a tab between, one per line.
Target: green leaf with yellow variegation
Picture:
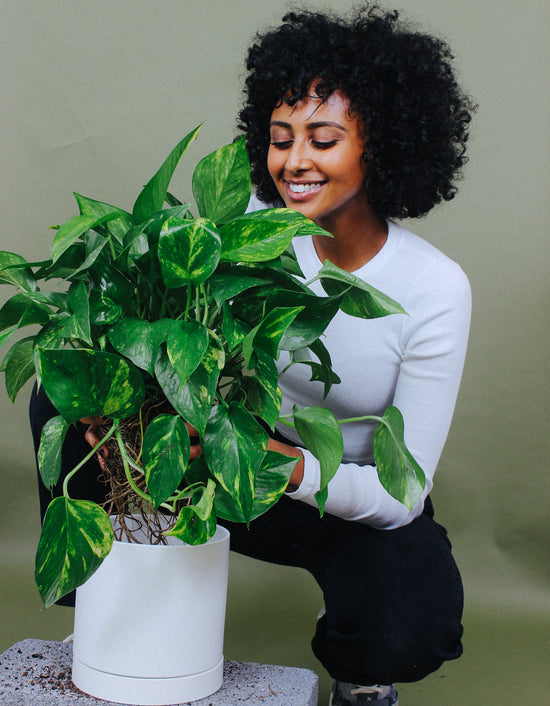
49	452
82	383
234	446
165	455
321	434
188	251
153	195
397	469
76	536
221	182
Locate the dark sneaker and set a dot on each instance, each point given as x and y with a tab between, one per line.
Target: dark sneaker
344	694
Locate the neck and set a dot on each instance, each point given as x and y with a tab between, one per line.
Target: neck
355	240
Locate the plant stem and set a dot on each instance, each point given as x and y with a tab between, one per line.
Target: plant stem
126	463
86	458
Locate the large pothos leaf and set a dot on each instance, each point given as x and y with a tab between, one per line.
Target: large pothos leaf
397	469
153	194
139	340
196	522
166	449
76	537
234	445
186	344
358	298
321	435
194	398
49	452
82	383
189	251
254	238
221	182
270	483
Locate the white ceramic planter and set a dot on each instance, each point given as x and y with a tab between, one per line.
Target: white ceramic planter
149	623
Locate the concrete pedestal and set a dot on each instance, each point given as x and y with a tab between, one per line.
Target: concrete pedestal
38	673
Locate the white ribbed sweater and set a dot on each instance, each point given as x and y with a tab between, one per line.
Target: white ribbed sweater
413	362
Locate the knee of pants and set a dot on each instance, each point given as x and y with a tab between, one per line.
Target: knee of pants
394	654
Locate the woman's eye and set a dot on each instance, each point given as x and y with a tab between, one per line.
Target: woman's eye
281	144
319	145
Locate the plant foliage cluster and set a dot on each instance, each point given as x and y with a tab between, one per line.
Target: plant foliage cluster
162	303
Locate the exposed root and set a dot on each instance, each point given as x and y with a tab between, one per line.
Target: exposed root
135	515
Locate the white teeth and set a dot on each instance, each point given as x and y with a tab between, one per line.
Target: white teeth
300	188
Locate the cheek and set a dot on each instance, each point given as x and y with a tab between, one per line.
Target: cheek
274	164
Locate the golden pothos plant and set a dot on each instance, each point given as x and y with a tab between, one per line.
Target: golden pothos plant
176	313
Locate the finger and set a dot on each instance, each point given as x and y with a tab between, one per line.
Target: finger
195	452
95	420
191	430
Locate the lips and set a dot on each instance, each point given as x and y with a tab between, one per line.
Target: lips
301	190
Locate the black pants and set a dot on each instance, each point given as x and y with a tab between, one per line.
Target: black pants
393	598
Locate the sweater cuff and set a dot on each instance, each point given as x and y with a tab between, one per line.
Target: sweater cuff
311	481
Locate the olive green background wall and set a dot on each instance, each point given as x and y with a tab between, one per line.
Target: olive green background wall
95	94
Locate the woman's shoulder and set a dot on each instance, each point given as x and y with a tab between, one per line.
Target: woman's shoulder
423	261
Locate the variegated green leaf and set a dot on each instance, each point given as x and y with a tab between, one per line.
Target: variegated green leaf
78	324
49	452
117	227
321	434
194	399
19	366
152	197
73	229
235	331
165	455
82	383
221	182
186	345
267	334
310	323
22	310
270	483
189	251
252	238
197	522
15	270
265	395
76	537
139	340
397	470
358	298
225	286
234	445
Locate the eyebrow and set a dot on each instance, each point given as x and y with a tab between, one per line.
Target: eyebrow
310	126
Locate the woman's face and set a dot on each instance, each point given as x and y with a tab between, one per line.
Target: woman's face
315	158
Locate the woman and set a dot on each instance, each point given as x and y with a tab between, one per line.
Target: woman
352	124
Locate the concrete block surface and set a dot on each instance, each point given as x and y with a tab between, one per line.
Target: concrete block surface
38	673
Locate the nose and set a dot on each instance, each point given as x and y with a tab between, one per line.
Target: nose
299	157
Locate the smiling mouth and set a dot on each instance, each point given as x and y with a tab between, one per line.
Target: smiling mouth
303	188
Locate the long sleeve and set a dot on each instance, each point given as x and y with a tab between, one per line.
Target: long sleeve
413	362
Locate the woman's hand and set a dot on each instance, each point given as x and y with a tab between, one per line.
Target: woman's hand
298	472
296	478
93	439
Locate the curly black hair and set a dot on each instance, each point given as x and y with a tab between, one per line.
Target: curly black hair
399	81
